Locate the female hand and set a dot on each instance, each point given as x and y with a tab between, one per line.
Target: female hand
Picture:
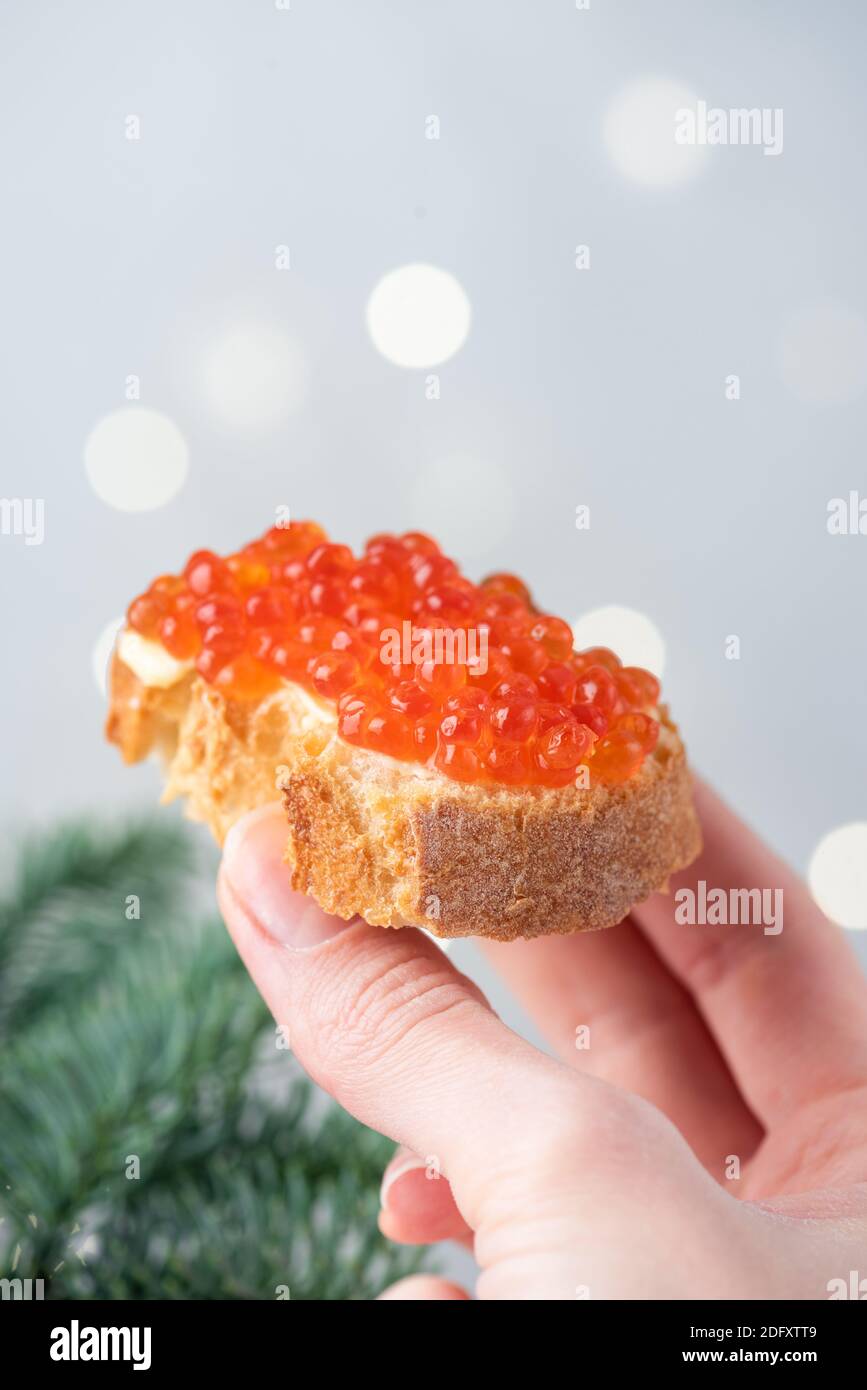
711	1142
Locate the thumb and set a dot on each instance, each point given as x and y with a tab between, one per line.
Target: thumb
383	1021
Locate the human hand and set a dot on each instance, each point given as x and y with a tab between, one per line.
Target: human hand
610	1173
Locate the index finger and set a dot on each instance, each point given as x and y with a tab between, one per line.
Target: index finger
782	990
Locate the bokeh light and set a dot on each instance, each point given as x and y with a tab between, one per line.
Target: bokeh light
102	650
136	459
838	875
418	316
253	376
639	133
632	635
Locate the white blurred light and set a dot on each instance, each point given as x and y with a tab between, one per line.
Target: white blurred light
445	943
466	502
136	459
639	132
418	316
838	875
253	376
102	650
632	635
823	353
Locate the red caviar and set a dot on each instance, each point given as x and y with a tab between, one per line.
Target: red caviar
420	663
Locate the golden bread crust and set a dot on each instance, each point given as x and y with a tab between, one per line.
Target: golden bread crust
400	845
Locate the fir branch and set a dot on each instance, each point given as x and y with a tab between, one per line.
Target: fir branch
66	906
144	1043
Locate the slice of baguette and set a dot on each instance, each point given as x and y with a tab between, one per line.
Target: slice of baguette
399	844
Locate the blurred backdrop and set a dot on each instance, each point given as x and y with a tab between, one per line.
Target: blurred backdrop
446	266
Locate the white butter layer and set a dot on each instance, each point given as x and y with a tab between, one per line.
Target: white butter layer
156	667
150	661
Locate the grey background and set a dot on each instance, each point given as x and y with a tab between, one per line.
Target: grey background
261	127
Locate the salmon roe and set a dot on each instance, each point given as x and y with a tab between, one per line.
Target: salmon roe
420	663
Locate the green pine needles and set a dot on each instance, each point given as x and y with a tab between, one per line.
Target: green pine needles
157	1139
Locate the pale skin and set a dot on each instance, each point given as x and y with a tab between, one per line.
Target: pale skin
603	1174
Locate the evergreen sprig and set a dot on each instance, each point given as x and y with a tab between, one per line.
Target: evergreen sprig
155	1141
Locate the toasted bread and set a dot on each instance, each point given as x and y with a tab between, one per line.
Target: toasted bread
400	843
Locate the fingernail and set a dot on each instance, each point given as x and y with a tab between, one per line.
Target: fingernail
255	871
398	1168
